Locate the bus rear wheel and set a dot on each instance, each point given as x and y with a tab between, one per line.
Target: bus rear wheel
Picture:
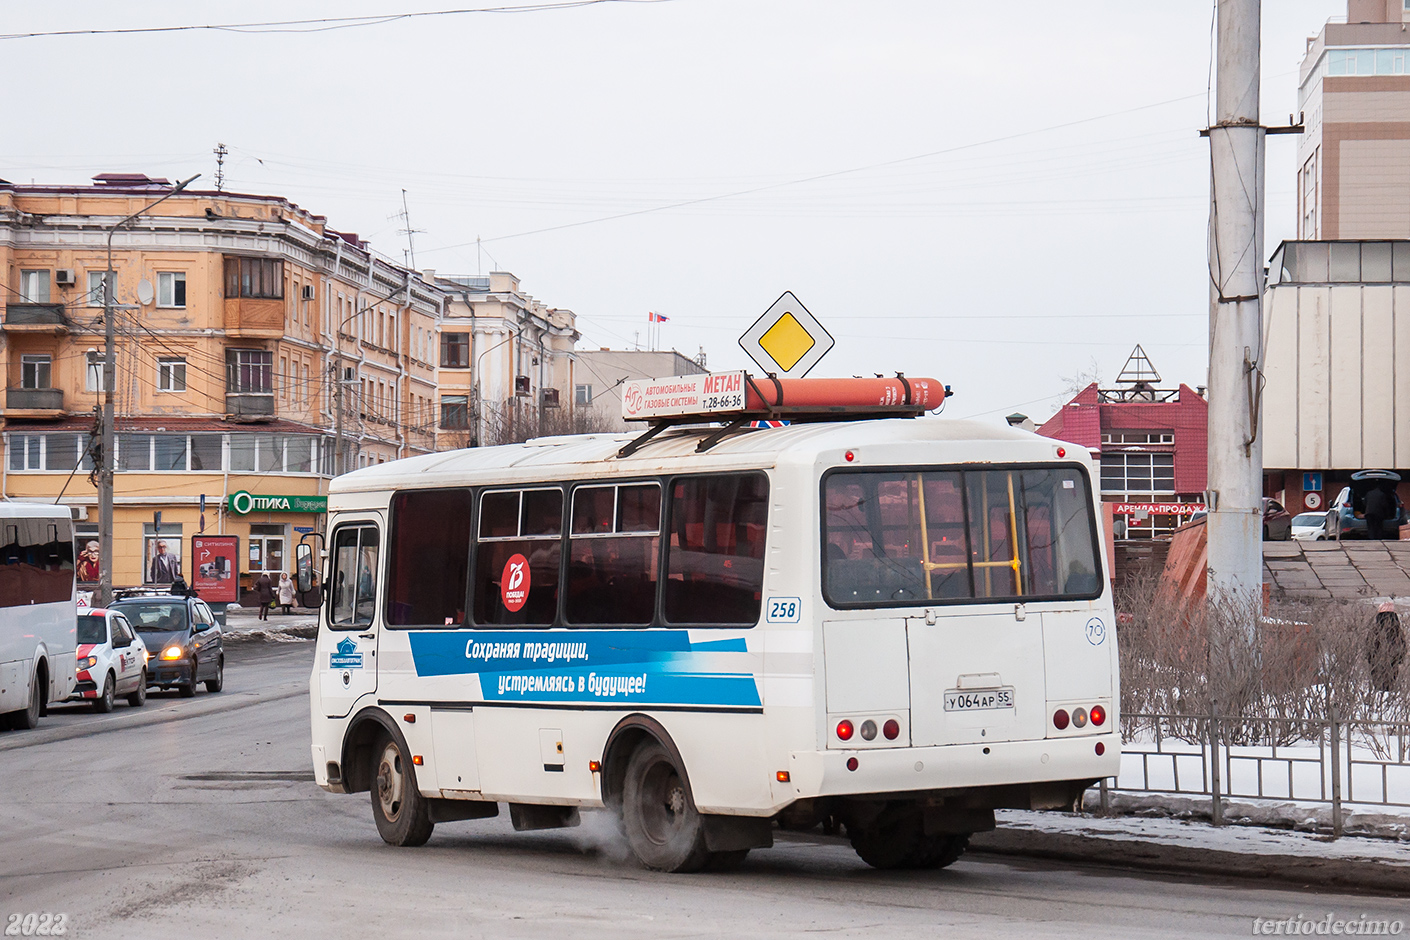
659	816
897	839
402	814
27	718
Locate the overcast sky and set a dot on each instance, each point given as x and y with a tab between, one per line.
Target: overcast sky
1027	192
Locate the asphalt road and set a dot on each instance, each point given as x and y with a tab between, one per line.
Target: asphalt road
198	818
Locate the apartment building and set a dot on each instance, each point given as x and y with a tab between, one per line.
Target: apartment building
1353	178
506	366
259	353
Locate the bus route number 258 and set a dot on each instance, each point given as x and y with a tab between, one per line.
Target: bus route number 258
784	609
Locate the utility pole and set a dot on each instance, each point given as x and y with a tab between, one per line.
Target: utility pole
1236	142
104	595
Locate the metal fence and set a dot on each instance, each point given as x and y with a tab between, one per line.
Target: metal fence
1308	760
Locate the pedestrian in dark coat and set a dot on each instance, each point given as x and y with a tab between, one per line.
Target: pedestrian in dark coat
264	594
1386	651
1380	507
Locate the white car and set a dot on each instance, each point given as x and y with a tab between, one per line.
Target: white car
1310	526
112	661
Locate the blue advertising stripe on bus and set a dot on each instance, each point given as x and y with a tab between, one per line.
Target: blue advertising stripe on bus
652	667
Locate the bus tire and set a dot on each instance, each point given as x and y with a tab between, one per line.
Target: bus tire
104	702
402	814
894	839
938	851
27	718
659	817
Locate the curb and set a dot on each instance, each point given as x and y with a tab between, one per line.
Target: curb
1359	875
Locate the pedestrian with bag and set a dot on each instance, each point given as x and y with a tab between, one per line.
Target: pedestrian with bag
264	594
1386	650
286	592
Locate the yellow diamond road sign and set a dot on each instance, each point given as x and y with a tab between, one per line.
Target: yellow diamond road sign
786	340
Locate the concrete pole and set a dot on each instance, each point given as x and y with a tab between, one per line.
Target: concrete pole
1236	141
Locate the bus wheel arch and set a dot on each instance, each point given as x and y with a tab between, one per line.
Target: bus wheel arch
359	744
629	734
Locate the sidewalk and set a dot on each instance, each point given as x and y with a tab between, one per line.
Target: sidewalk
242	624
1173	845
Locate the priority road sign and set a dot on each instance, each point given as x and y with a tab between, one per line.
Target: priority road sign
787	340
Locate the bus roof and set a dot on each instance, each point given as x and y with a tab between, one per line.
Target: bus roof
19	509
571	456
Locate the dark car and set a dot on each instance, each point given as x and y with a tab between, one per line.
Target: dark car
1347	515
1277	521
182	637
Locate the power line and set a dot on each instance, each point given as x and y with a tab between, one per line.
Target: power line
323	24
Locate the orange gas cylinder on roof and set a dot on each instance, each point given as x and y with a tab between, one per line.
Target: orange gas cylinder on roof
840	394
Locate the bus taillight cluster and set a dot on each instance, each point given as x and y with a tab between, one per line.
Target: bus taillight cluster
890	729
1079	717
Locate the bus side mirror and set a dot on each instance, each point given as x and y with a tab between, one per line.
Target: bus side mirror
303	555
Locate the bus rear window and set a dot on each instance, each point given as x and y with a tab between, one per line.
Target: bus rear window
430	557
896	538
36	562
715	558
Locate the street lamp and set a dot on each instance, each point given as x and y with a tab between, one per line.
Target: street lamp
104	594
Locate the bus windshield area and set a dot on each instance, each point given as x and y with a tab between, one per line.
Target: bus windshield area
897	538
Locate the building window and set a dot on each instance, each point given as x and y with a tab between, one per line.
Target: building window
582	394
1138	437
35	371
455	350
171	289
1131	475
93	373
94	297
171	375
251	371
455	411
34	287
58	452
254	277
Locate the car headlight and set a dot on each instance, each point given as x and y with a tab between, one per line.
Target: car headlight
88	663
173	652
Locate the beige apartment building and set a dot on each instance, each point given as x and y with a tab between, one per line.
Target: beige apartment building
259	352
506	364
1354	155
601	373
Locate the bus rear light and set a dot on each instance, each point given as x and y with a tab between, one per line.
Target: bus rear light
1101	749
844	730
1079	718
868	730
594	766
782	776
1060	719
850	456
851	763
1098	715
891	729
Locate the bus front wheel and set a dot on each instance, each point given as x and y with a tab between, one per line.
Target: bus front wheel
403	815
659	816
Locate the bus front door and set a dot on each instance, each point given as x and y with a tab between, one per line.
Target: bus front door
347	650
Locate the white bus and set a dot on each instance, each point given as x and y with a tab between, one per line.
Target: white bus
38	617
893	625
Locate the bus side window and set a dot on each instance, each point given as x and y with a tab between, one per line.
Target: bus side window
429	557
516	557
614	551
354	589
715	560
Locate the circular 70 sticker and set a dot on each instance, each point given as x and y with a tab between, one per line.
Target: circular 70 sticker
1096	631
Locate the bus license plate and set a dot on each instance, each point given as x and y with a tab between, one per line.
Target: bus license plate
978	699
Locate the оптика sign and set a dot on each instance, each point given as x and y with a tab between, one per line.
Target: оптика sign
243	502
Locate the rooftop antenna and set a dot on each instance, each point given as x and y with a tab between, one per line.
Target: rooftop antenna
409	232
220	151
1138	371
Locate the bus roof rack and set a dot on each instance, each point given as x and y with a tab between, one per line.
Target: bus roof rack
737	398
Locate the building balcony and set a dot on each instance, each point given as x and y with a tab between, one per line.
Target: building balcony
34	403
249	404
254	318
35	318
